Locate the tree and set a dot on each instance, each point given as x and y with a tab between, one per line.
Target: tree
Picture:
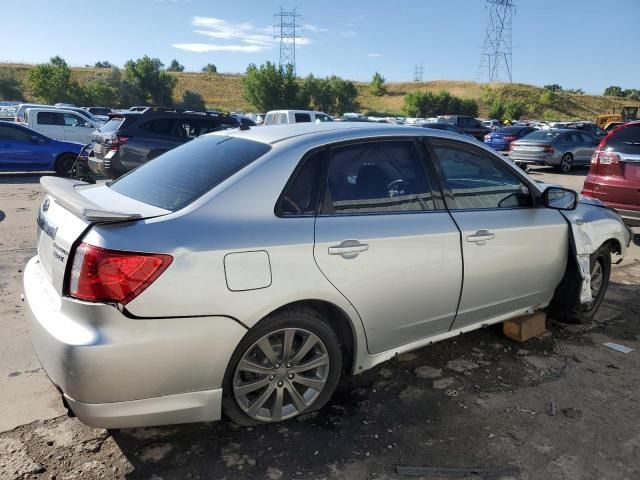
613	91
175	66
192	100
554	87
104	64
429	104
51	81
151	83
210	68
10	88
103	89
575	91
269	87
345	93
377	86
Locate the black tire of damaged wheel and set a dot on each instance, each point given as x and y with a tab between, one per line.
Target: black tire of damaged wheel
566	305
64	164
295	317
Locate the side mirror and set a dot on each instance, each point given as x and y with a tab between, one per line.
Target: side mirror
560	198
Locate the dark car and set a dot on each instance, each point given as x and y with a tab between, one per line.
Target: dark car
99	111
468	125
23	149
444	126
502	138
614	175
130	139
591	128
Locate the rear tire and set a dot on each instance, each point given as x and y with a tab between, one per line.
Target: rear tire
64	164
286	386
566	163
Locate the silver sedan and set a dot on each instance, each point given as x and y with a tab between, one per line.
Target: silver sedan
245	271
560	148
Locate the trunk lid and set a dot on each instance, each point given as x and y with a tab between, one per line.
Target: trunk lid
69	209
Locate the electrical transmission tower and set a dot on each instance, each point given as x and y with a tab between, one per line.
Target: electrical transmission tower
496	50
417	73
287	28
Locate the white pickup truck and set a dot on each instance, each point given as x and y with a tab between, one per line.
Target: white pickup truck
60	124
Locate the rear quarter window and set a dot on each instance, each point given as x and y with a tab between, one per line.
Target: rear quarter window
176	178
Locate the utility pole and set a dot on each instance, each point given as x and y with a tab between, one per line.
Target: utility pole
287	28
417	73
497	46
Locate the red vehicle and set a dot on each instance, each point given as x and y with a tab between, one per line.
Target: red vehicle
614	176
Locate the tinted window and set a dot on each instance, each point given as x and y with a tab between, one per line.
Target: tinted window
586	138
164	126
15	134
302	117
50	118
300	195
176	178
574	137
547	135
377	177
112	125
478	182
626	140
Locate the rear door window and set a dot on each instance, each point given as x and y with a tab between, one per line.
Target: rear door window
302	117
50	118
180	176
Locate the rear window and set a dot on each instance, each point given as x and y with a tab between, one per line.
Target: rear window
449	120
542	135
626	140
112	125
176	178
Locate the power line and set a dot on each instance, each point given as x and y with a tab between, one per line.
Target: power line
497	46
287	28
417	73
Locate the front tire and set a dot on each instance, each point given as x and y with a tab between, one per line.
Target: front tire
65	163
566	163
288	364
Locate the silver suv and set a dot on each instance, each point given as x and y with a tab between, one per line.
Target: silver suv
245	271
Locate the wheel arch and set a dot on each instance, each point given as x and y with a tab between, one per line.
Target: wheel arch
338	320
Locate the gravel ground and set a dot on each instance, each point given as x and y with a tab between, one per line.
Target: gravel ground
562	406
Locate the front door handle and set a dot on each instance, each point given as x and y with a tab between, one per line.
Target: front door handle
481	237
348	248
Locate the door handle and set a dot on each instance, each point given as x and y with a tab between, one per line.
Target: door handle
481	237
350	248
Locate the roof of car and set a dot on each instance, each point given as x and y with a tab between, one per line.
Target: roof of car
278	133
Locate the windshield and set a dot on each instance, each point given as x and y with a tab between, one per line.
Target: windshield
176	178
547	135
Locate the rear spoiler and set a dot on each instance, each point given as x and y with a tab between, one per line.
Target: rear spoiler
63	190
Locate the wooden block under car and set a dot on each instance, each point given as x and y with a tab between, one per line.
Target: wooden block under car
523	328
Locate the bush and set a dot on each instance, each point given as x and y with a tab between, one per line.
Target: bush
613	91
209	68
429	104
192	100
377	85
175	66
332	95
10	88
547	98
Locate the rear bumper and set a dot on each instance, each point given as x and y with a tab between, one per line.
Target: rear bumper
110	168
116	371
549	160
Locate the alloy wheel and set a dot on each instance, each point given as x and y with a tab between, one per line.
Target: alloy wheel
281	375
566	162
596	279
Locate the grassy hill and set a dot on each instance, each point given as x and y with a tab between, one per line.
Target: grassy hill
225	91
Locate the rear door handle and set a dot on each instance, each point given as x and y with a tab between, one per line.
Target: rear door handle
481	237
348	248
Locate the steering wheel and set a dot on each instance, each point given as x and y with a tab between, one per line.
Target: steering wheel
293	204
396	185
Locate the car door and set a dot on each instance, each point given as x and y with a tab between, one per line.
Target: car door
589	144
20	152
47	123
514	252
382	241
77	128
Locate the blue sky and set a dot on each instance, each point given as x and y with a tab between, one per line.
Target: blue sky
585	44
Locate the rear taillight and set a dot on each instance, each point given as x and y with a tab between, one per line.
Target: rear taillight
118	140
604	162
487	137
100	275
547	149
510	138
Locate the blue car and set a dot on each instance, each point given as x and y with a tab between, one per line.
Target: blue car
23	149
502	138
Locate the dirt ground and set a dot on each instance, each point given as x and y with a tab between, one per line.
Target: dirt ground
563	406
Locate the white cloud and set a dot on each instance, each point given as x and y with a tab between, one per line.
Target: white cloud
210	47
312	28
348	34
256	38
374	55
